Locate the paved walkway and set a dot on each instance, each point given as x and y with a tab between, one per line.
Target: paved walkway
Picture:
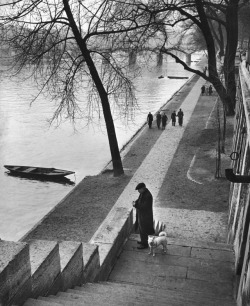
196	270
189	273
167	161
181	223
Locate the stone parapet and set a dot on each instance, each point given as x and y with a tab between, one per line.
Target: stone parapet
110	237
43	267
15	272
91	262
71	259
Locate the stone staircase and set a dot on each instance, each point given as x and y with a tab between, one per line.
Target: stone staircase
191	273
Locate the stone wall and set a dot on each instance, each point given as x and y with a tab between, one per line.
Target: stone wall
42	267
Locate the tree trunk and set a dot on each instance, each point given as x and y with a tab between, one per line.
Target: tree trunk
113	144
222	92
229	61
227	95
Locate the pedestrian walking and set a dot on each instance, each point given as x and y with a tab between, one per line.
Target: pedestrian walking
158	120
164	119
180	116
173	117
210	90
144	215
203	89
150	120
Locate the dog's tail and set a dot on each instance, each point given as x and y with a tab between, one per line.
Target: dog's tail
163	234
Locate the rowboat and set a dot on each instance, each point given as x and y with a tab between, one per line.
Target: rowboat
176	77
39	172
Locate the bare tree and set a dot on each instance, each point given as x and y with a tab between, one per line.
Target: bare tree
204	15
63	43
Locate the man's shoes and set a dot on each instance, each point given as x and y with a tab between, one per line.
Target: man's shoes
142	246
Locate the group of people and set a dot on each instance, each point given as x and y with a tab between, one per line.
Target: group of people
206	90
180	116
161	119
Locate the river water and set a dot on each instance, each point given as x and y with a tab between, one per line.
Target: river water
26	138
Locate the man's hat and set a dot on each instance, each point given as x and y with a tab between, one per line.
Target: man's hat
139	186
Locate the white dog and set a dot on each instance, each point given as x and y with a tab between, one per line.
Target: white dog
155	241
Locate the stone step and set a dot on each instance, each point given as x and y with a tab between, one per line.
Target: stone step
41	302
153	271
178	266
126	298
75	299
125	289
149	295
124	294
190	274
180	260
203	269
173	283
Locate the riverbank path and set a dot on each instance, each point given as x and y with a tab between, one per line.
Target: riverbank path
182	223
198	268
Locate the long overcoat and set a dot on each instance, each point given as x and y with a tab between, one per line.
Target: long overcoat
173	117
144	212
164	119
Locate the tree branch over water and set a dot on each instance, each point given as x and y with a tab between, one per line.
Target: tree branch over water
65	44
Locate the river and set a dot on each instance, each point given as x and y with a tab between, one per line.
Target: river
26	138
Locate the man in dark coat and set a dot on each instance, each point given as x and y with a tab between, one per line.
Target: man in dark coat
203	89
164	120
158	120
180	115
144	214
210	90
150	120
173	117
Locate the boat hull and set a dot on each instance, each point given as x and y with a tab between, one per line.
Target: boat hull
177	77
38	172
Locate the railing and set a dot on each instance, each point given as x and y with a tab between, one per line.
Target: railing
239	197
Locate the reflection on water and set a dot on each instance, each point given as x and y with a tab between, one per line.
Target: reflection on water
27	139
62	180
